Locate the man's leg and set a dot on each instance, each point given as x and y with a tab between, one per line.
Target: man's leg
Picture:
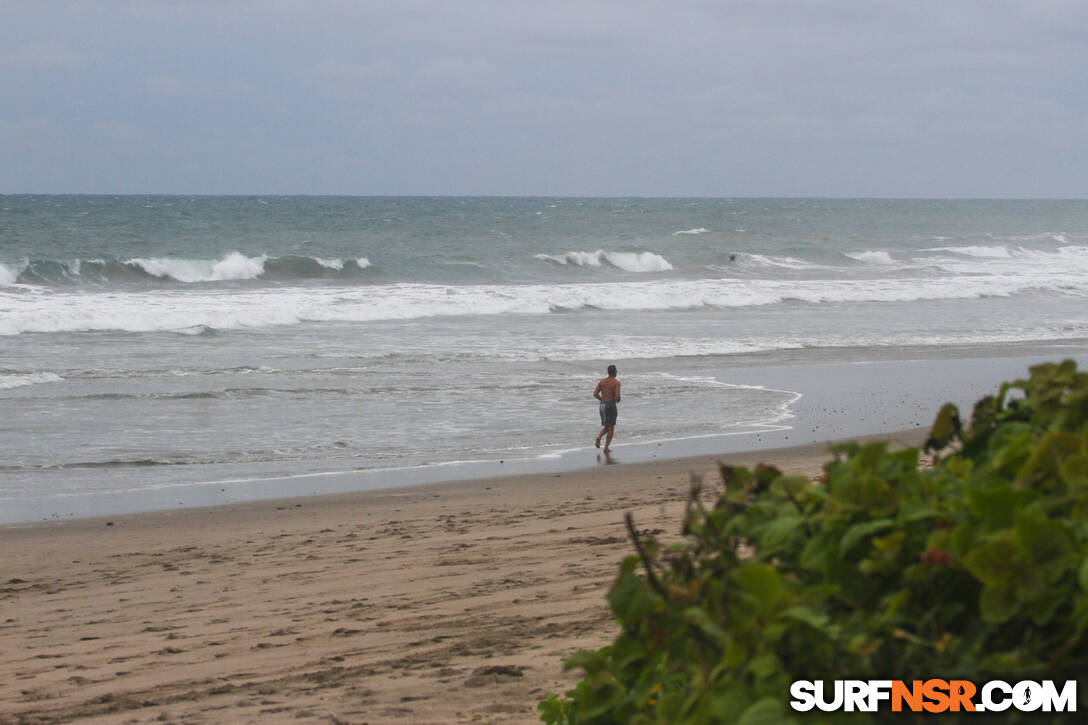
600	435
608	441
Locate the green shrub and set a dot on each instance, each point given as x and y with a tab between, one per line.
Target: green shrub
975	568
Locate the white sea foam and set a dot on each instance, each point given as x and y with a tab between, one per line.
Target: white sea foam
19	380
639	261
578	259
627	261
871	257
8	276
785	262
181	309
338	264
1048	268
234	266
238	266
699	230
984	252
632	347
194	330
780	412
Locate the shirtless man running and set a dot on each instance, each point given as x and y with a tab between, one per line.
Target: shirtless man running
608	392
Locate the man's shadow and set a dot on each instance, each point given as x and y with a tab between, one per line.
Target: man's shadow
609	459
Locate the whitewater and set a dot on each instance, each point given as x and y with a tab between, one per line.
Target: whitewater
149	343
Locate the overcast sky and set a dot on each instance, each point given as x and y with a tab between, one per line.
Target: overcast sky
904	98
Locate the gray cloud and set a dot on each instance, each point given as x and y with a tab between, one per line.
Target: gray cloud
46	54
830	98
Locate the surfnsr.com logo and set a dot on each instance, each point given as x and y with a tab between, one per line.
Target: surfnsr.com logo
933	696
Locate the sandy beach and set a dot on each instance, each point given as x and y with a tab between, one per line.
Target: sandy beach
449	603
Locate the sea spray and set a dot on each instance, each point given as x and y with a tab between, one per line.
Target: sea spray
234	266
8	276
871	257
626	261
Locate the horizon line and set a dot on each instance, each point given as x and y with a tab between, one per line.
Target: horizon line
257	195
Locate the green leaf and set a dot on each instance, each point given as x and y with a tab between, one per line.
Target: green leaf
600	699
779	531
808	616
857	532
963	538
768	711
762	582
1074	473
995	505
866	491
997	604
698	617
725	704
991	562
1084	575
1048	453
791	487
553	711
817	551
945	428
631	599
764	665
588	660
628	650
1048	544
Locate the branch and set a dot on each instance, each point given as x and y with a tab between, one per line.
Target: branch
651	578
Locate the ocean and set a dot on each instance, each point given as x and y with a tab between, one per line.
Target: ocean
178	344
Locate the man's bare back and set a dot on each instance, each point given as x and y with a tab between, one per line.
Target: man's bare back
607	390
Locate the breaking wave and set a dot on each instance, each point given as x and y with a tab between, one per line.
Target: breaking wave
202	312
871	257
231	267
998	252
18	380
761	260
234	266
627	261
699	230
971	261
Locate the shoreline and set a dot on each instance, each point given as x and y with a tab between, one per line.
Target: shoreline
809	452
836	400
444	603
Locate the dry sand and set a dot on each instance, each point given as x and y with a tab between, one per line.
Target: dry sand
451	603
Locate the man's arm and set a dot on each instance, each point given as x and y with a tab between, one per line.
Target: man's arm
617	391
597	390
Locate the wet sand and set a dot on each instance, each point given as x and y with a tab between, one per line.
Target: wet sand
448	603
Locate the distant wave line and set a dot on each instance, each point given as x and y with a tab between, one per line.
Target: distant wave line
234	266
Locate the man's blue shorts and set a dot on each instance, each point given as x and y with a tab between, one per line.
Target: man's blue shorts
609	411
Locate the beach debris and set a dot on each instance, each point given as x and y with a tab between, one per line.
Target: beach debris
504	670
